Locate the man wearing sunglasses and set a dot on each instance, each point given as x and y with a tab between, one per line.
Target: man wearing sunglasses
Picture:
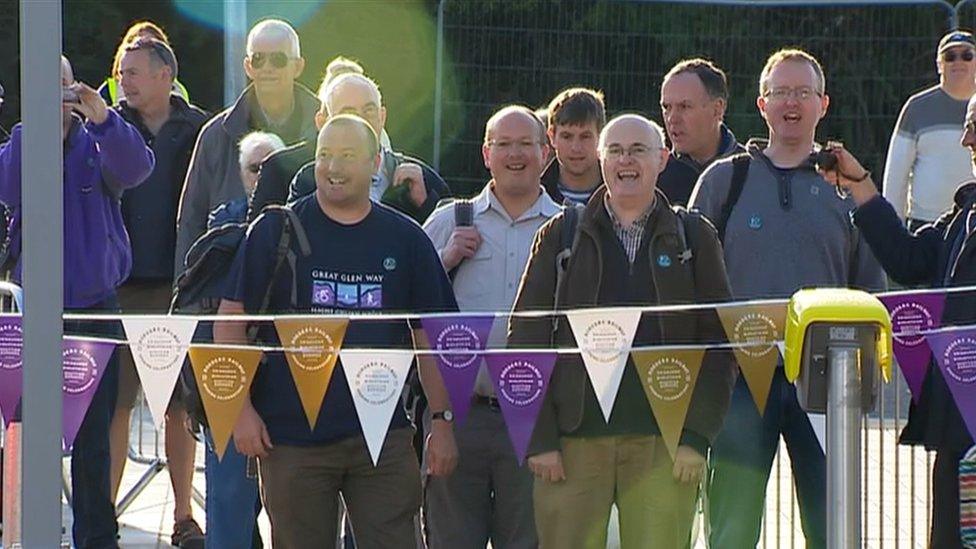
925	160
169	126
274	102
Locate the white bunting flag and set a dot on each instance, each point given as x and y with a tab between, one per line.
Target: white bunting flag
604	339
375	380
159	347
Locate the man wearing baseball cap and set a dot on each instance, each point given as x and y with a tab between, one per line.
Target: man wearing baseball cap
925	160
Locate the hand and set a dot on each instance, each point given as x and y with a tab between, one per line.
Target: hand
411	174
463	244
846	174
442	453
250	435
548	466
90	104
689	465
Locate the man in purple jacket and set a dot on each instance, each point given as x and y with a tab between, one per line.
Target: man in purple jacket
103	156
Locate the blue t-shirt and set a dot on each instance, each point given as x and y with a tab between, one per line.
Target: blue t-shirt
384	263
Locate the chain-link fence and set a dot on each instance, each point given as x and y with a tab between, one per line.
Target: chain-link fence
496	52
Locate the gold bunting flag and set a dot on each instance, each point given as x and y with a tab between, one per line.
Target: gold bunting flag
312	348
668	377
756	328
224	378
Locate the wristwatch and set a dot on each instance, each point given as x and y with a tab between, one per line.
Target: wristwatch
446	415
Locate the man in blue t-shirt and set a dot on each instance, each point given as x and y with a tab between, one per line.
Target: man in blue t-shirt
365	258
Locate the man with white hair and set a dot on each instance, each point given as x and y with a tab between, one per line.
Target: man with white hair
626	252
273	102
402	182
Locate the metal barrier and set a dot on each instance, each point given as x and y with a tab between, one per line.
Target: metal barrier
492	53
145	448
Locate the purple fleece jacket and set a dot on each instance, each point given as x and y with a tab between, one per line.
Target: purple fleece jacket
100	161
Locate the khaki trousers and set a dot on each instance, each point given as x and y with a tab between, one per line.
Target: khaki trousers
634	472
300	488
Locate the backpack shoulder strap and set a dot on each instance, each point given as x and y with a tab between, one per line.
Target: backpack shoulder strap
569	236
740	171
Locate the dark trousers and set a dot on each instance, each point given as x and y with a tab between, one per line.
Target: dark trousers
742	457
945	501
95	526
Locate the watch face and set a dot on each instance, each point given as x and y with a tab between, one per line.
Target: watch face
448	415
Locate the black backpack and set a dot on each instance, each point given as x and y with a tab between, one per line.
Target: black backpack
201	286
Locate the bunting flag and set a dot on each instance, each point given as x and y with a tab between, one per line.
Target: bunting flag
756	329
459	369
955	352
668	377
819	423
159	347
910	314
604	339
83	364
375	380
11	366
224	377
521	380
312	348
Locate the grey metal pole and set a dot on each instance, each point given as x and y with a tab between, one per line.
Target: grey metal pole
439	85
235	35
843	448
40	93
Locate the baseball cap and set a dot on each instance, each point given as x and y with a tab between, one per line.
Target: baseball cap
957	38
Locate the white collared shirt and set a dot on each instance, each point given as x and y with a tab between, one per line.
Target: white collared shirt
489	280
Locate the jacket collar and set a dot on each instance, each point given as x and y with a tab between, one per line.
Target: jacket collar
727	145
238	119
662	221
486	199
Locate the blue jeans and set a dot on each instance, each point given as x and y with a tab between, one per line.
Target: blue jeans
94	525
742	457
233	504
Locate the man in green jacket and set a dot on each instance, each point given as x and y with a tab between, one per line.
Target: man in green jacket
628	252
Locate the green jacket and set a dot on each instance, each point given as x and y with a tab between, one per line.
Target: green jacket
702	279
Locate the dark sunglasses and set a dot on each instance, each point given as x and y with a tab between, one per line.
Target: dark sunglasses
278	59
951	56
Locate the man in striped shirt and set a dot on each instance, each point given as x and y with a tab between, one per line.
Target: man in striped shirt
925	160
576	117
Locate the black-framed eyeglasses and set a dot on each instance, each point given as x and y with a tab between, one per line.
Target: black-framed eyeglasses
277	59
950	56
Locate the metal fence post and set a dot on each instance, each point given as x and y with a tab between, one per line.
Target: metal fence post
439	84
844	448
40	50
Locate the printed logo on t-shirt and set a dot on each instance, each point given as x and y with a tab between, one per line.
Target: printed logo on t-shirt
332	290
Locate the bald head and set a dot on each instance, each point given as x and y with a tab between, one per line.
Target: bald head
354	94
67	73
370	142
516	111
634	124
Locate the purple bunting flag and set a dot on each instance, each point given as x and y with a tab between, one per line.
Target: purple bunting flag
83	363
910	314
955	352
459	370
11	366
521	380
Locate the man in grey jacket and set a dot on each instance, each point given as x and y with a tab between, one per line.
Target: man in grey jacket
273	102
788	229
